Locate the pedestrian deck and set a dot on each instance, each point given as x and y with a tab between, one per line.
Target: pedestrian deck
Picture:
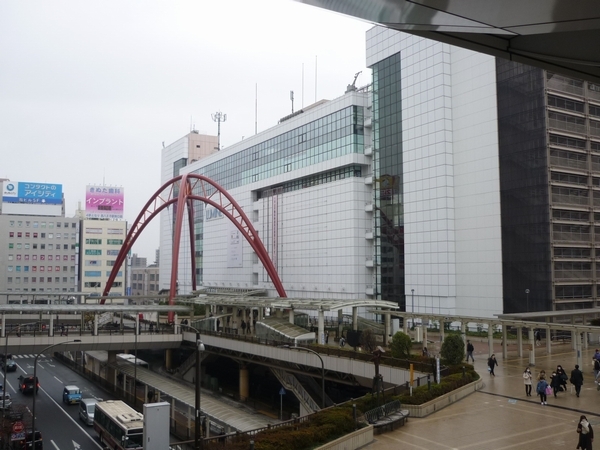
500	415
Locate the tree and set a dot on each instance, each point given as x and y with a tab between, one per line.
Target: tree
367	340
453	349
401	345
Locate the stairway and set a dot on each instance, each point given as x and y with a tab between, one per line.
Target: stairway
291	383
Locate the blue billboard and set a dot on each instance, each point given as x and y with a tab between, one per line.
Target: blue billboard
42	193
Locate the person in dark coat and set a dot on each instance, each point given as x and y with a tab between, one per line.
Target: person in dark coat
491	364
577	379
555	382
586	434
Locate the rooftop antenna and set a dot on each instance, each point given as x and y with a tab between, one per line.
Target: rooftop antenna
292	99
219	117
302	85
315	78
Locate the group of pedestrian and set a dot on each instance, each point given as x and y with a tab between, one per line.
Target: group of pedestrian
558	382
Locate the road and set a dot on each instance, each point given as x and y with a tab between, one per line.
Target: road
59	423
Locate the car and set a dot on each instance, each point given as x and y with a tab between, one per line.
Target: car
11	366
28	383
5	400
87	406
71	395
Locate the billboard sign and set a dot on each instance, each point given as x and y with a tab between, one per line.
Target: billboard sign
104	202
36	193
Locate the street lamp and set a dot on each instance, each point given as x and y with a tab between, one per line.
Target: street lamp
198	443
35	381
527	293
322	369
412	291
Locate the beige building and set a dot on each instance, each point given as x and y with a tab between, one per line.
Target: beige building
101	241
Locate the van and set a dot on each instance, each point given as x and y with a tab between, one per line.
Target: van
28	383
87	407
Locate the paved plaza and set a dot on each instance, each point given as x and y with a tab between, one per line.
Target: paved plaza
500	415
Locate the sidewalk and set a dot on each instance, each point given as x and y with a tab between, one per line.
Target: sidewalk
500	416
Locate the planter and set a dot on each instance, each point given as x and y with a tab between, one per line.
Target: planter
441	402
357	439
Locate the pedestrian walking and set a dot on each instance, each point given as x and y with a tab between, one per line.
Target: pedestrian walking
243	326
527	377
555	383
538	338
576	379
62	329
470	350
596	369
586	434
541	387
491	364
562	375
342	341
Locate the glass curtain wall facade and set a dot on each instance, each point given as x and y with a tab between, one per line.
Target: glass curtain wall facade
549	131
329	137
388	212
523	187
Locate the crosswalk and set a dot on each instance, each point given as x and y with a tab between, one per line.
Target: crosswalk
27	356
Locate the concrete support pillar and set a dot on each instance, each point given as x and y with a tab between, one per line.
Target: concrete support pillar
424	328
355	318
340	322
95	324
168	358
111	373
573	340
291	316
504	342
405	325
548	341
244	383
519	342
137	322
207	427
531	337
51	324
158	396
585	341
189	417
463	333
578	349
442	336
321	327
490	338
387	328
4	326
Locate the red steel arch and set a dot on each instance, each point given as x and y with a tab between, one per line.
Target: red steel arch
180	192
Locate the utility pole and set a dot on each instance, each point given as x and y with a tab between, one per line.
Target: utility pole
219	117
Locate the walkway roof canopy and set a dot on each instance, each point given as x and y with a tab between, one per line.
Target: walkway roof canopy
301	304
557	35
549	314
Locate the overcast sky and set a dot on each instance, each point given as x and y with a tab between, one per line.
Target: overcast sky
89	91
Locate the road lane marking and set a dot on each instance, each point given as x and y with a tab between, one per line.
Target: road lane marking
71	419
58	380
55	446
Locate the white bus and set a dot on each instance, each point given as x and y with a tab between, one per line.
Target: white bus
118	425
133	360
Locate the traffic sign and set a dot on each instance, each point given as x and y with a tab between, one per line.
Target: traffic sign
18	427
282	391
17	436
